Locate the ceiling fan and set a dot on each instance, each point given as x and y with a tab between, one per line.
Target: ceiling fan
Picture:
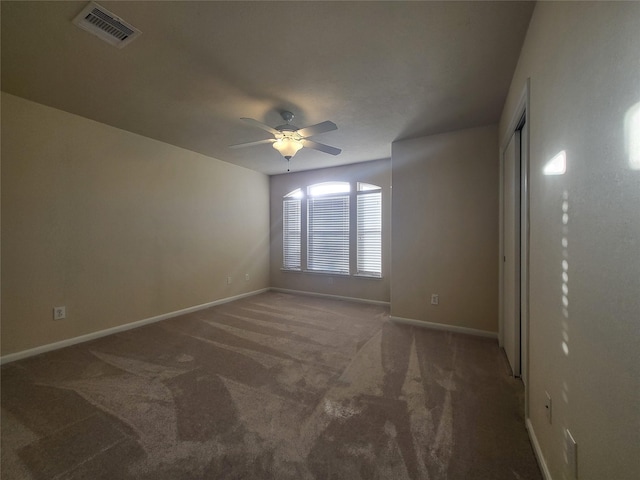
288	139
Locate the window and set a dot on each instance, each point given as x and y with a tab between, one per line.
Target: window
328	227
324	232
369	230
291	230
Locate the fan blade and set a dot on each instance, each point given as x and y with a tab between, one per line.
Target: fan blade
321	147
316	129
261	125
251	144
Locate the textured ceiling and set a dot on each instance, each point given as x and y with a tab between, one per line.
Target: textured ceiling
382	71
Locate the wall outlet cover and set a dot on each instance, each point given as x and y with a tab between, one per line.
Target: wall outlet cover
59	313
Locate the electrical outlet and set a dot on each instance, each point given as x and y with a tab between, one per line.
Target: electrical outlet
229	280
246	277
59	313
435	299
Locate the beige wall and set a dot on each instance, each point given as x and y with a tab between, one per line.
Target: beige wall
582	59
445	228
116	226
377	173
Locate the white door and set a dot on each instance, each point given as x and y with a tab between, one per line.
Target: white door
511	254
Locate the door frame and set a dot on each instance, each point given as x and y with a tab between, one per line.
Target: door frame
520	120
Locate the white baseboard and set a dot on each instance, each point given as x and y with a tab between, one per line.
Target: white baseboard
536	449
12	357
441	326
326	295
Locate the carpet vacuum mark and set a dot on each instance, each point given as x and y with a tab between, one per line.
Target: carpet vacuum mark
275	386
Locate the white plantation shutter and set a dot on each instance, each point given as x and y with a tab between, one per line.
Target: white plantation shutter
291	233
370	234
328	233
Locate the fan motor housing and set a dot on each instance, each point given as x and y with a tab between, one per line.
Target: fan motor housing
287	128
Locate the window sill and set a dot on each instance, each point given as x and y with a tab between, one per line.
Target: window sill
321	272
334	274
370	276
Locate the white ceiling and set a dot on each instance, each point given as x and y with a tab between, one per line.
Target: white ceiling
382	71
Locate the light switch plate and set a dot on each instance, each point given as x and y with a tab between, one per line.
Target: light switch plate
547	406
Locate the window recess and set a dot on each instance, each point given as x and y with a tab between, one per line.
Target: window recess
317	229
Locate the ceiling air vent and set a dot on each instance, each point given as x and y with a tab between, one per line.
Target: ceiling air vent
104	24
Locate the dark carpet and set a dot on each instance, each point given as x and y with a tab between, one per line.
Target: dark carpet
274	386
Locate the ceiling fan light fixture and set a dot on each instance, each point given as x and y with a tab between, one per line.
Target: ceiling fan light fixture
288	139
287	146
